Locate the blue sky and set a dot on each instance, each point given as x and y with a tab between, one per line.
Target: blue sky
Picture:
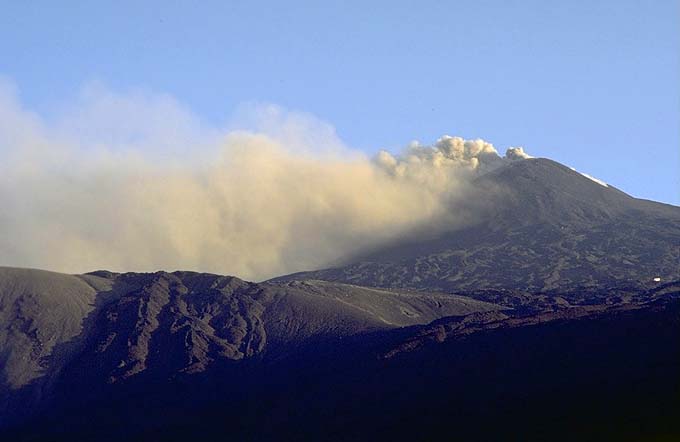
595	85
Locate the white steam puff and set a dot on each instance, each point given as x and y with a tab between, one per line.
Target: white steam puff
136	183
448	154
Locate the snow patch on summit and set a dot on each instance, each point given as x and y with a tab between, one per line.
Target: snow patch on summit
598	181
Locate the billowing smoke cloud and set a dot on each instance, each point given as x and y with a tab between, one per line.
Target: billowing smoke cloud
136	183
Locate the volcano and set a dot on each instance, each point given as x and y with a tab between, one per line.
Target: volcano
541	227
552	314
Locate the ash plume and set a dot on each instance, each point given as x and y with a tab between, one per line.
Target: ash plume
134	182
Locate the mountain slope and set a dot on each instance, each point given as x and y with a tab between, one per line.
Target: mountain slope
605	373
38	311
104	328
169	356
540	226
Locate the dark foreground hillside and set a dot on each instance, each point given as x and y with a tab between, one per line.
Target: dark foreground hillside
65	338
595	372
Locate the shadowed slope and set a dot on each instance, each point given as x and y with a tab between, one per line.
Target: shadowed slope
38	311
104	328
599	373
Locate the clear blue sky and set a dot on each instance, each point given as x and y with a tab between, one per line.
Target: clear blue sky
593	84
